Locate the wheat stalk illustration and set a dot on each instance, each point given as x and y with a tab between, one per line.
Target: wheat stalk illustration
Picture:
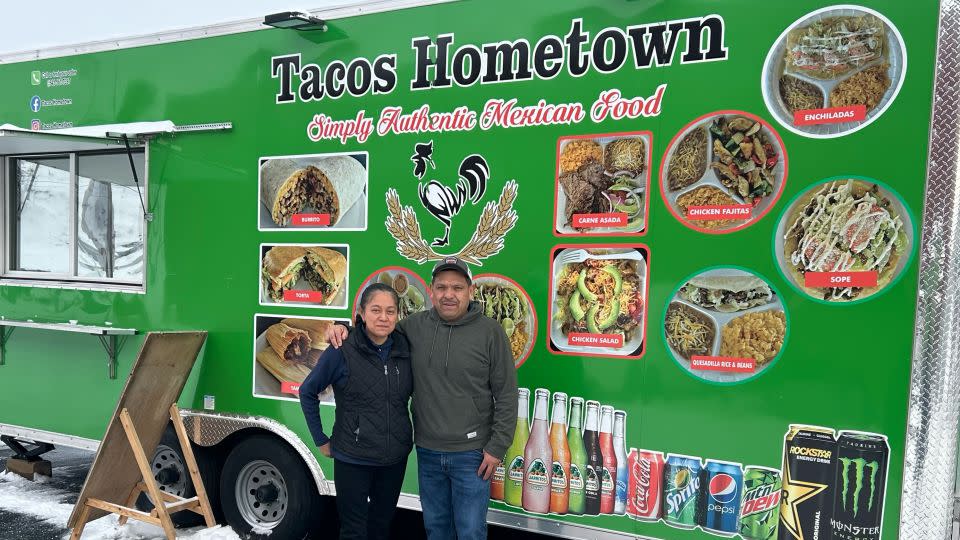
404	227
497	219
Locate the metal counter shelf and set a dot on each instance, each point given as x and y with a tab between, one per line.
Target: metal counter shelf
110	337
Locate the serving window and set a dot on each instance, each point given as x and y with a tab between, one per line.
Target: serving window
76	219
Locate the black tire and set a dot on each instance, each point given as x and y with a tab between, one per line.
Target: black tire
176	478
265	485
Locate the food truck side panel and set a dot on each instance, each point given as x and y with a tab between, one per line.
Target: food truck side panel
843	365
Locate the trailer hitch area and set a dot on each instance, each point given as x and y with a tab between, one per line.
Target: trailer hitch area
21	452
26	462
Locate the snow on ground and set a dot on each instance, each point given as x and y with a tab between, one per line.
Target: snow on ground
44	502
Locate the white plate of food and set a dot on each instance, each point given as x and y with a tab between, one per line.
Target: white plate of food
332	184
725	313
302	341
306	268
599	291
838	56
505	301
607	174
725	159
410	288
877	235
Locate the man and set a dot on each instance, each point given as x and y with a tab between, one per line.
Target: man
464	402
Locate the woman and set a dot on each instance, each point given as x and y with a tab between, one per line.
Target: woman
372	434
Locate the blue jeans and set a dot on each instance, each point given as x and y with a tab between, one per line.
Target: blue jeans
454	498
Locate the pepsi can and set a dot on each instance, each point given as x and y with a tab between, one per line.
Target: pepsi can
721	489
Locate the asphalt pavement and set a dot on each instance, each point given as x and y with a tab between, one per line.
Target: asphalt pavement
70	467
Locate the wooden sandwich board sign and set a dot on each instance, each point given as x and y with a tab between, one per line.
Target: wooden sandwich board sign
121	468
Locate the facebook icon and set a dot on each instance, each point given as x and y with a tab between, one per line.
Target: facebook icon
35	104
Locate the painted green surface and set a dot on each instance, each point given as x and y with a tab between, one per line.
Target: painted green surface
845	366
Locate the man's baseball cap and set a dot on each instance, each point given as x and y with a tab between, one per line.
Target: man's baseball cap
453	263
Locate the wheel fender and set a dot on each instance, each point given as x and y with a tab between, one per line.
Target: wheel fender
209	429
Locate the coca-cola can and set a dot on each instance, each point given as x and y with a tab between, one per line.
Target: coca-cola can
644	485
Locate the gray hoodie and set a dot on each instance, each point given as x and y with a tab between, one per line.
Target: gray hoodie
464	382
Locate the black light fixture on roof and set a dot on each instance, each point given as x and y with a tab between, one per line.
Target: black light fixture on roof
296	20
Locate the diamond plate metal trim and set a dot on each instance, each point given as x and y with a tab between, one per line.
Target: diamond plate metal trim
931	451
209	429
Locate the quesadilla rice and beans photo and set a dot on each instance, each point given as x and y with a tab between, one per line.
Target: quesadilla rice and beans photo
723	314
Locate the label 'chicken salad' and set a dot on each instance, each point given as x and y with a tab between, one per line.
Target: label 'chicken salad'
599	301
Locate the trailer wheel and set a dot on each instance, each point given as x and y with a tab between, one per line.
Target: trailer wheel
266	490
170	471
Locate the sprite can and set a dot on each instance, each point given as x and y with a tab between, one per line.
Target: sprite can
681	491
759	513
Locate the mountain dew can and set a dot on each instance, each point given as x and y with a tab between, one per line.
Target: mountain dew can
759	513
681	491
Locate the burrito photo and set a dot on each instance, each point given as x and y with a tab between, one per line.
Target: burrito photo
326	185
727	293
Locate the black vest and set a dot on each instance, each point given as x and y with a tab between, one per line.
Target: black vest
372	419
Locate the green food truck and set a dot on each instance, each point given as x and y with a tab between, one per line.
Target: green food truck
732	304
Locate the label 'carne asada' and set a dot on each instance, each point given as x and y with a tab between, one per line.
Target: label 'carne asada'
590	221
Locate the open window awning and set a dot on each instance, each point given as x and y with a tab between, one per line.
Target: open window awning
17	140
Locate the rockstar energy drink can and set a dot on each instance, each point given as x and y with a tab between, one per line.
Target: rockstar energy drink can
859	486
809	473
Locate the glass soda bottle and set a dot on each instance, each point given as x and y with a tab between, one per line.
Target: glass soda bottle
608	475
537	458
513	475
560	473
578	457
591	443
496	483
620	451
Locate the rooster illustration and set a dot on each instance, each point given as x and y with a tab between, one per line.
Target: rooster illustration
445	203
422	157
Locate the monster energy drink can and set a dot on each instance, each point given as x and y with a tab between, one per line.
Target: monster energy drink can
759	513
859	487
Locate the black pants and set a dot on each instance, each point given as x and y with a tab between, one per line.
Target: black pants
367	498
